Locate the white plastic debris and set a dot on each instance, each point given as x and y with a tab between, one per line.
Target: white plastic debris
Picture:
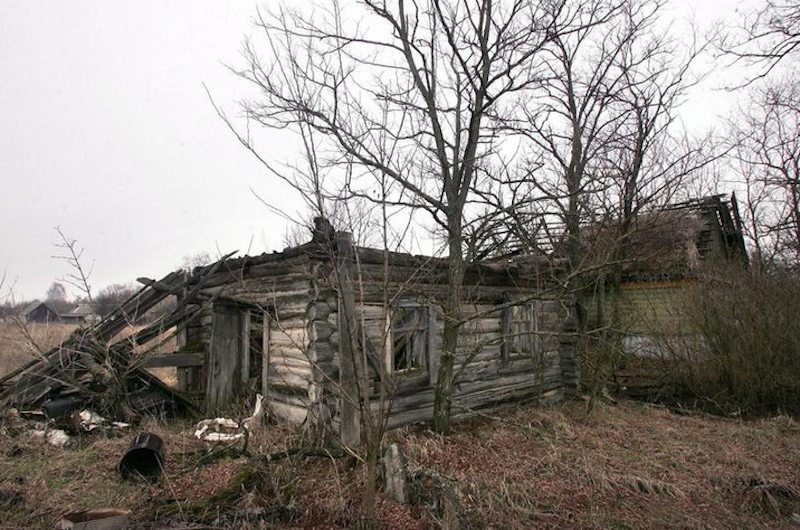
258	414
206	428
212	430
222	437
90	420
57	438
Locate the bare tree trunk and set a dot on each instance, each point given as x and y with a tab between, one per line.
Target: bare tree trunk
443	400
373	447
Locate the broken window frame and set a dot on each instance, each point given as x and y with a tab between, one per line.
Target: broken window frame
418	330
522	337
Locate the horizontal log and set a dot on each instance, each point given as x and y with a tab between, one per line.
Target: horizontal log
175	359
276	288
288	411
264	297
278	351
291	377
416	410
290	365
278	266
284	323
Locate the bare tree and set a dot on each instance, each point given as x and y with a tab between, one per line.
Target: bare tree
766	38
329	203
648	163
112	296
79	275
198	259
57	296
765	141
604	146
575	125
408	102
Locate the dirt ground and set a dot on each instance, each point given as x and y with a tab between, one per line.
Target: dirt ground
629	466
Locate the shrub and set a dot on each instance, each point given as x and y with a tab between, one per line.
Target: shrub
749	357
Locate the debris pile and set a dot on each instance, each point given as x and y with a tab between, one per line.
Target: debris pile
226	430
93	370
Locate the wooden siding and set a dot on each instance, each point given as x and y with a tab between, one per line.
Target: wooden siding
282	289
302	367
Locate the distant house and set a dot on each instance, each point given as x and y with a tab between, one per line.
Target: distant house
42	312
45	312
81	313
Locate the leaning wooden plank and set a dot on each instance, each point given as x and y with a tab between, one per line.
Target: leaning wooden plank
177	397
93	339
372	356
50	372
120	352
132	309
159	286
175	359
106	328
14	373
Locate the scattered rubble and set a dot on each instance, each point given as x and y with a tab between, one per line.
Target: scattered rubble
226	430
55	437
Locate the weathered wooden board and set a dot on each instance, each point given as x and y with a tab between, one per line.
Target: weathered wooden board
175	359
224	363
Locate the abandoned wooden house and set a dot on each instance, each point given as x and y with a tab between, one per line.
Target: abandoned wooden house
668	251
40	312
279	325
47	312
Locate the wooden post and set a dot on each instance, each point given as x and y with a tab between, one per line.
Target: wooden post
505	328
244	352
266	357
223	359
350	417
183	374
536	312
433	346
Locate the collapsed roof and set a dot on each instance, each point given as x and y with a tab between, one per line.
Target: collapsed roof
98	368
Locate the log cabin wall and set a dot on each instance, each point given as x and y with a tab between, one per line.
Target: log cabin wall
303	369
280	289
491	370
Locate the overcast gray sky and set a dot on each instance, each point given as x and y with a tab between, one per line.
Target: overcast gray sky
108	133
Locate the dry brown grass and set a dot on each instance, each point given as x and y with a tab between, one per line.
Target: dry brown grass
16	349
631	466
39	483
